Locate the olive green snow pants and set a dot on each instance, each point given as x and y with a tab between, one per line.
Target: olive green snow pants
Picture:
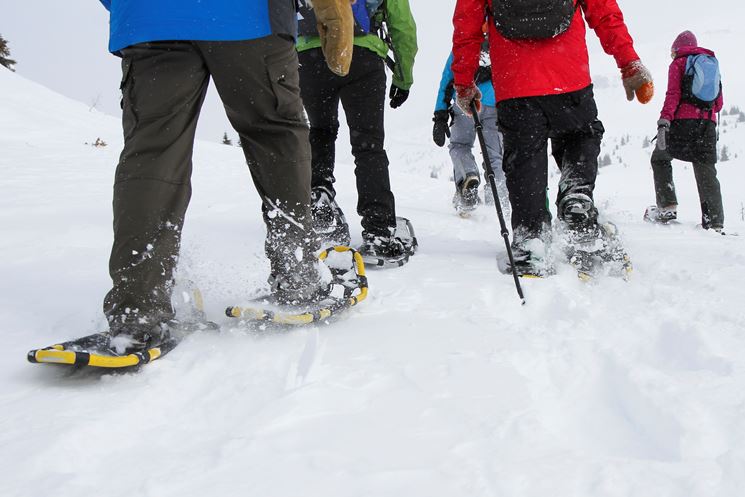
163	87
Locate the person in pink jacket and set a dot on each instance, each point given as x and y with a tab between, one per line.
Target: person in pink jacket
687	132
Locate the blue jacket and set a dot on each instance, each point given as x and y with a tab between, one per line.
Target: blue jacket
444	97
137	21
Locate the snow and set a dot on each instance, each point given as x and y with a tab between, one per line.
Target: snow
439	384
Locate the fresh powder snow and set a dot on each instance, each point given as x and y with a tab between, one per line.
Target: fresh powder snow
440	383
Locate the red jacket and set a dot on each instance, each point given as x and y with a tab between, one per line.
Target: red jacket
529	68
673	108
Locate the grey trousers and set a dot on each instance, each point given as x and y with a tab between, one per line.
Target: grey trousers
163	87
463	137
462	140
709	193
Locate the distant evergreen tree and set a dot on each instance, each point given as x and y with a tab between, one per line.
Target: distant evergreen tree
606	161
734	110
724	154
646	143
741	119
5	59
226	140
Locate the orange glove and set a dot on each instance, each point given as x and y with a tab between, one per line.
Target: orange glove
336	28
637	80
467	94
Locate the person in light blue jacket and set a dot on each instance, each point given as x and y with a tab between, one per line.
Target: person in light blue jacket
171	50
450	121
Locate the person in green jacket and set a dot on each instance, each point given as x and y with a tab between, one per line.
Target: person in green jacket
362	93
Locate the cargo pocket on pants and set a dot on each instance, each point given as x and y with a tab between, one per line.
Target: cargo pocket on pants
129	119
282	69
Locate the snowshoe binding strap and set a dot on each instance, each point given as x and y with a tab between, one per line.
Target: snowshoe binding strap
404	233
351	281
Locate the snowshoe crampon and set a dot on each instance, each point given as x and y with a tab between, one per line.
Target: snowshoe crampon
347	288
376	254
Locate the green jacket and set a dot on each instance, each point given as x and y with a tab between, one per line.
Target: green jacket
402	29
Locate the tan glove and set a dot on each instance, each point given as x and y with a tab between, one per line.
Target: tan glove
336	27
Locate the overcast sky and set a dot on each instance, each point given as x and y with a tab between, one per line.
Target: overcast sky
63	45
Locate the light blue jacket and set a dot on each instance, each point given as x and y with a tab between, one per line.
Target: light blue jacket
137	21
443	103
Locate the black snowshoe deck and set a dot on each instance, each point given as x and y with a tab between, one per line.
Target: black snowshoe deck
405	232
93	351
348	288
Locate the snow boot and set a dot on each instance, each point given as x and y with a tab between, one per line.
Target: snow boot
329	222
597	249
394	250
661	215
466	198
301	288
532	258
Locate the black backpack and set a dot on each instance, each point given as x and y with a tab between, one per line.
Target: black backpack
532	19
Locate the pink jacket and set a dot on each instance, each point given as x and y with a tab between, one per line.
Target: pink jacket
672	97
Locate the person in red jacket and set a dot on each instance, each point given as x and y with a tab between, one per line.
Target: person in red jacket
686	130
541	77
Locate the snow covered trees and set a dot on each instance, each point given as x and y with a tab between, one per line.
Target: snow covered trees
5	59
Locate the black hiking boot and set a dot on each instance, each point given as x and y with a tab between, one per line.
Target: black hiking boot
329	222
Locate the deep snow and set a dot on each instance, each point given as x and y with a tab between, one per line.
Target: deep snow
440	384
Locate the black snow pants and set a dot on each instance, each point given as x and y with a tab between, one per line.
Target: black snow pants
362	94
570	121
163	87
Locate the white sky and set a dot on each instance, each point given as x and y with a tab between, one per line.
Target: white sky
63	45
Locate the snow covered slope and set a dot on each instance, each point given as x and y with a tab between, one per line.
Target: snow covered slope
439	385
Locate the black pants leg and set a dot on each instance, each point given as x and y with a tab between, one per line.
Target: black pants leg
362	94
363	99
709	194
525	132
320	89
576	134
662	172
570	120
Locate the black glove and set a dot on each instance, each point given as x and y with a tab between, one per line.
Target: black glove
441	129
398	96
663	127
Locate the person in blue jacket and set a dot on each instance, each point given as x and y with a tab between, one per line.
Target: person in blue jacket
170	50
462	136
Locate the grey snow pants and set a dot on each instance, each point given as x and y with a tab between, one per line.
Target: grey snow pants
462	140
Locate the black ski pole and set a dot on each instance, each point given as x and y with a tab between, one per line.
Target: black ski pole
493	184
